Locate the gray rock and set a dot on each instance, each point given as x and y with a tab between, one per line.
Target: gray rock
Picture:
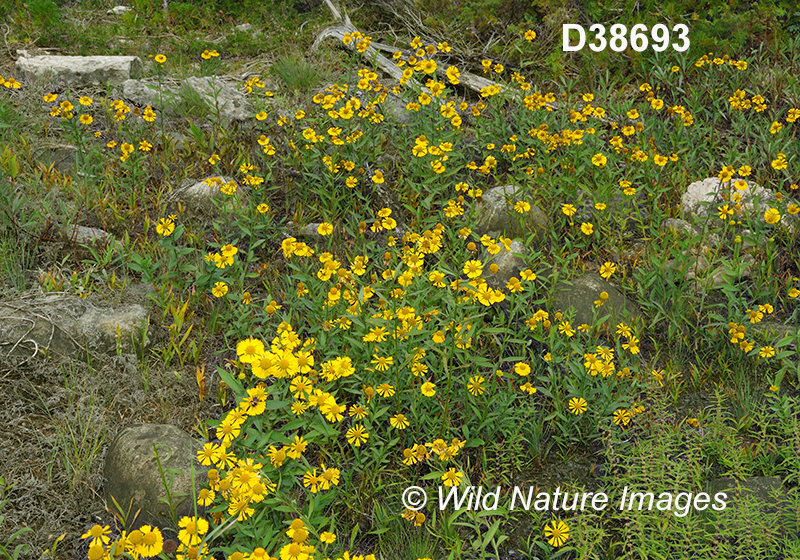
244	27
82	235
203	198
702	198
80	71
132	472
394	108
681	227
696	266
310	231
582	294
495	213
232	104
119	10
148	92
66	325
60	156
767	492
508	262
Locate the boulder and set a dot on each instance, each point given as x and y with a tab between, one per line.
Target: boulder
681	227
584	290
509	264
80	71
394	108
132	472
495	214
310	232
66	325
699	267
203	198
82	235
232	104
60	156
148	92
766	493
702	198
119	10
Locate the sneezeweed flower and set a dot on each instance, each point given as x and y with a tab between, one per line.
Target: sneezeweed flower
86	120
377	177
263	208
522	369
556	533
599	160
766	352
568	210
160	58
165	226
98	534
357	435
219	289
577	405
772	216
428	389
452	477
214	159
475	385
530	35
384	390
608	269
327	537
152	542
779	162
522	206
399	422
587	228
192	530
622	417
325	228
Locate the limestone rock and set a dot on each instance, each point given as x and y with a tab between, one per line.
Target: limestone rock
60	156
702	198
232	104
203	198
80	71
119	10
509	264
148	92
310	231
495	213
681	227
82	235
394	108
132	472
66	325
699	267
767	492
585	290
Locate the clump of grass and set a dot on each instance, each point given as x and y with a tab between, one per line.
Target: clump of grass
296	73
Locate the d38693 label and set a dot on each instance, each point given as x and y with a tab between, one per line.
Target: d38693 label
658	38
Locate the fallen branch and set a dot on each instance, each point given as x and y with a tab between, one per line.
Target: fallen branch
343	26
